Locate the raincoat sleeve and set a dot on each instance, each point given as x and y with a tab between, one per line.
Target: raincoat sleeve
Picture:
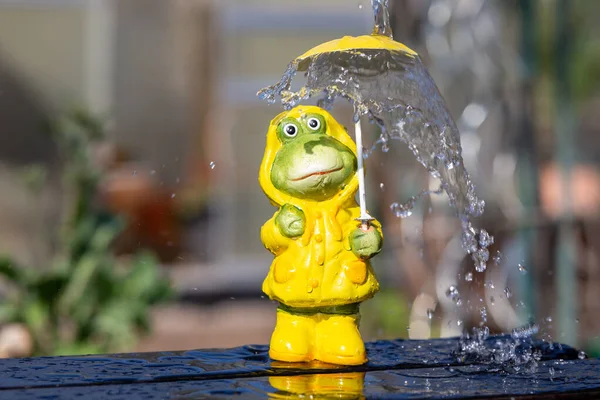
272	238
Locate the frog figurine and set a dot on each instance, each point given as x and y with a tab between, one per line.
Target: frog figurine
321	270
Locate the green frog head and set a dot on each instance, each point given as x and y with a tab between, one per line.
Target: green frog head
311	164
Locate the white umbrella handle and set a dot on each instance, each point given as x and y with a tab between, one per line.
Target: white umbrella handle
362	197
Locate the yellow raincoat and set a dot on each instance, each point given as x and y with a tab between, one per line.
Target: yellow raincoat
318	269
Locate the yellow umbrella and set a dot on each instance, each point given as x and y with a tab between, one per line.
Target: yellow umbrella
355	43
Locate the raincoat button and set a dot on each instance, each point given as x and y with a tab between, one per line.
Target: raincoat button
318	238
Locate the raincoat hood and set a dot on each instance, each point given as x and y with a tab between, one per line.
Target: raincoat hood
335	130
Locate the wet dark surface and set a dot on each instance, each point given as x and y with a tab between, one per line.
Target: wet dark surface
397	369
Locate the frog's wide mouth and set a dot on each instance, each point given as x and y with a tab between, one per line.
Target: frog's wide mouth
317	173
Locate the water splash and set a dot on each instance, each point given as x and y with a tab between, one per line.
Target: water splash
516	354
405	210
395	91
382	18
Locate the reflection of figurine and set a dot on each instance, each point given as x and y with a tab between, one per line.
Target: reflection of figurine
321	270
349	385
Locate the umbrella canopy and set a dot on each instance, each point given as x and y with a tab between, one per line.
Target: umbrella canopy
354	43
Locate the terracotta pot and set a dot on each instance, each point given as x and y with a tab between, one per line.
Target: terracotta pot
149	209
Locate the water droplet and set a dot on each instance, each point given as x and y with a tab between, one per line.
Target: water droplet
382	187
212	165
551	371
173	195
459	322
177	180
153	172
489	284
452	291
485	239
522	269
385	148
492	300
508	292
400	210
524	332
429	313
360	6
483	313
497	258
468	240
469	277
232	298
548	319
581	355
480	264
134	173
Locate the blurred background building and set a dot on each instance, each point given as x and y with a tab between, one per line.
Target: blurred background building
175	83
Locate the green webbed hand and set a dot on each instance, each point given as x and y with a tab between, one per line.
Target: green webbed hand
365	244
291	221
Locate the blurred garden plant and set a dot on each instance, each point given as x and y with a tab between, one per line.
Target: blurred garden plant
86	301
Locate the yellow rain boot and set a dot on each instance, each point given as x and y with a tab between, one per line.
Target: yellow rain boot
338	340
293	337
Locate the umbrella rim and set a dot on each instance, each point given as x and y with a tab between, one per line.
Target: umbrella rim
364	42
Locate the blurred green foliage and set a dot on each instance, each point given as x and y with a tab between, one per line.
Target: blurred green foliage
584	42
85	301
386	316
592	347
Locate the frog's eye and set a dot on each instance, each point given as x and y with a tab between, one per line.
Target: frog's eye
314	123
290	130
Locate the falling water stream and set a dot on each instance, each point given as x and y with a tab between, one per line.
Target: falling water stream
394	90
